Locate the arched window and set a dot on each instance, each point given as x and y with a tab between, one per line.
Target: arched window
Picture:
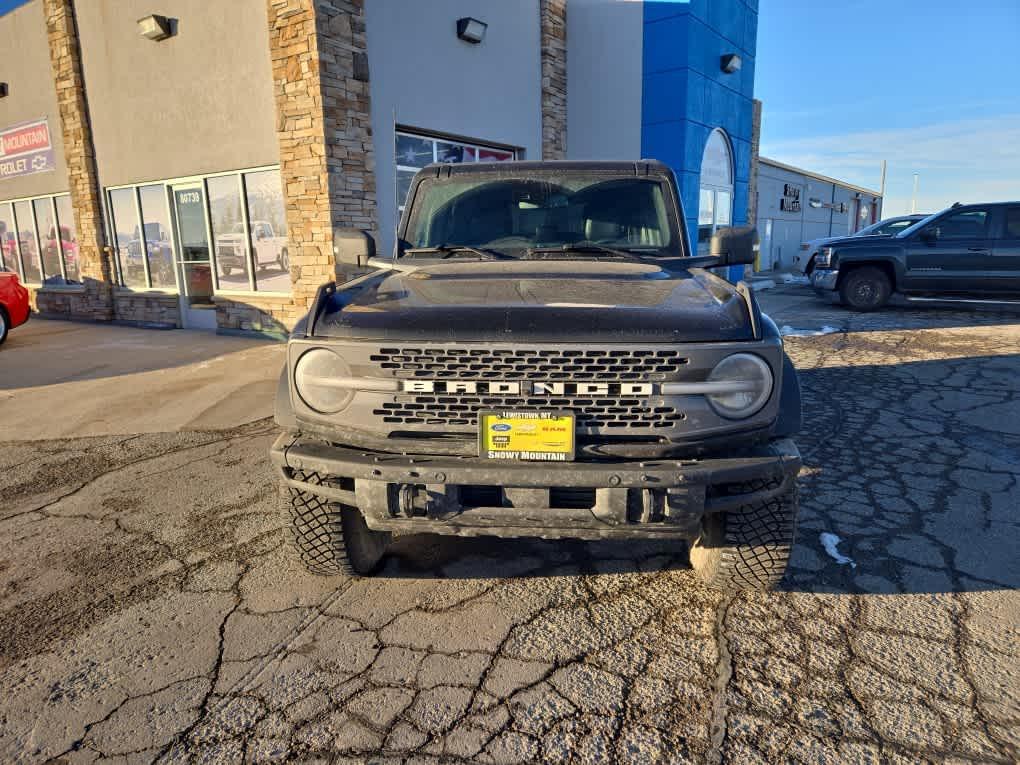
715	199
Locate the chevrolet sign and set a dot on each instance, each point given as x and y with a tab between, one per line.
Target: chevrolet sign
528	388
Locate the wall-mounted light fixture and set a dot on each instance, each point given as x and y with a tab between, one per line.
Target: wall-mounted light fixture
471	30
155	27
3	90
730	63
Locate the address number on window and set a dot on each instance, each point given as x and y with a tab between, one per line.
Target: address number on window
189	197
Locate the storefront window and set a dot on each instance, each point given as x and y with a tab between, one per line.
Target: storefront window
8	242
229	234
413	152
68	237
126	238
158	246
267	221
706	217
244	260
46	224
27	242
715	197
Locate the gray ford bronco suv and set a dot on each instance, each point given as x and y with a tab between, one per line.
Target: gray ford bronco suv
543	356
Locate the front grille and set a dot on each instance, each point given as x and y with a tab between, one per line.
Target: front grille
590	413
625	415
619	365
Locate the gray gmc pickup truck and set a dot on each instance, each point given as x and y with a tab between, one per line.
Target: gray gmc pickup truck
544	357
964	253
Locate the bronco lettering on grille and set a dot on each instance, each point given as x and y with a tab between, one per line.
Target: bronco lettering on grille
528	388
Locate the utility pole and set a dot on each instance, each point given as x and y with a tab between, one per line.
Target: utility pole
882	186
913	199
881	201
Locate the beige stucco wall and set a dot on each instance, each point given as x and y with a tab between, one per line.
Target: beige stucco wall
27	72
200	101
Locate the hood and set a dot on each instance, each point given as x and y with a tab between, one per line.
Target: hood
823	242
841	241
541	301
828	241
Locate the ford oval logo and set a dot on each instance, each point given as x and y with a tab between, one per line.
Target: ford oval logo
501	427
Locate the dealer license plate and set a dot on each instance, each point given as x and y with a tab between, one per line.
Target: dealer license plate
527	436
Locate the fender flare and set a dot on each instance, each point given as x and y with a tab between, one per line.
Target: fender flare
790	415
283	411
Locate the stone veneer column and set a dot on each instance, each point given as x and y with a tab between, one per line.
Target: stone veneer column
320	81
65	56
752	186
554	78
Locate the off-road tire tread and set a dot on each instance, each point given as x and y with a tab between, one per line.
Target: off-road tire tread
748	549
316	528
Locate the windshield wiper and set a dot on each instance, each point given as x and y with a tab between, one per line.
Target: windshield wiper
448	250
590	247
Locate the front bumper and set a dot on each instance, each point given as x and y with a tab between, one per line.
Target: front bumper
588	500
824	279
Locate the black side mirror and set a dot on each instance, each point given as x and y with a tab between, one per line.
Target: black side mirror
352	246
735	246
930	235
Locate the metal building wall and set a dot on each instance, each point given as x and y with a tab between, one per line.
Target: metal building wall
782	231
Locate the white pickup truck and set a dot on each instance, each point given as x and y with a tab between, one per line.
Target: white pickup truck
268	248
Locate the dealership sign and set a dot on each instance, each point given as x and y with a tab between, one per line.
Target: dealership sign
26	149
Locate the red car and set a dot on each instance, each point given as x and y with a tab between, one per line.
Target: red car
13	303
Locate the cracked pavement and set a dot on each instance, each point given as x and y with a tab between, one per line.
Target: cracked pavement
151	611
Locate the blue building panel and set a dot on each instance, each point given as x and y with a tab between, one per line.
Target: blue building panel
664	97
686	95
656	10
664	42
670	138
740	201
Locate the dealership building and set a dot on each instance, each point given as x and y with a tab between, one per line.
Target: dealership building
187	169
795	206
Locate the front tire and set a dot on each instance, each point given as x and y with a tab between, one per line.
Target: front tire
748	548
331	538
284	261
865	289
4	325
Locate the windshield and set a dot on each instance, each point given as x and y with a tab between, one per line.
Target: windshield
918	226
886	227
515	215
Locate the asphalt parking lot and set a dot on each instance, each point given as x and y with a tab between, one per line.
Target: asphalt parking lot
149	610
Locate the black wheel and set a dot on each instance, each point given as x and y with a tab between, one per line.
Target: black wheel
865	289
810	266
4	326
283	261
747	548
331	538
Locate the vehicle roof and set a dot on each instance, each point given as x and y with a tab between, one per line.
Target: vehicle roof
982	204
515	167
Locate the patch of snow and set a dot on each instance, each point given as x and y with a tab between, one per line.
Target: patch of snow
787	331
831	544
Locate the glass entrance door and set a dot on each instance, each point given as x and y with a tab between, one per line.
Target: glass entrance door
193	256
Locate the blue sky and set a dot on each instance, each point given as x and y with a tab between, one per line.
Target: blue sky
933	86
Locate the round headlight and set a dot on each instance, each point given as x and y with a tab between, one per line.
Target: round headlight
745	385
313	375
